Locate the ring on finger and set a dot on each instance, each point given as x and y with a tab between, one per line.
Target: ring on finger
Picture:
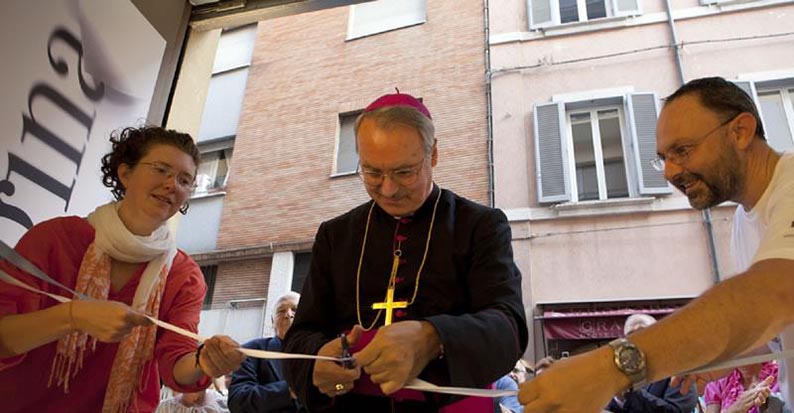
339	387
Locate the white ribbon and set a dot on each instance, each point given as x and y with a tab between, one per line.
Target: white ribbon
416	384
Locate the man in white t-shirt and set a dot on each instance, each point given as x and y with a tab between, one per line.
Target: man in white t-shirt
711	146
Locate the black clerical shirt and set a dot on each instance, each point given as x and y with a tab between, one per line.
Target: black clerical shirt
469	290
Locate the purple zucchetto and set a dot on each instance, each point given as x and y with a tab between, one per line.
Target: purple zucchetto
398	99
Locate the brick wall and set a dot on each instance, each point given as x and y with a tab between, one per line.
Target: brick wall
304	73
239	280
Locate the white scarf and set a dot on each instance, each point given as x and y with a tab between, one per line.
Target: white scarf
114	239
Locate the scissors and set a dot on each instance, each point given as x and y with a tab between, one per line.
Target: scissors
347	360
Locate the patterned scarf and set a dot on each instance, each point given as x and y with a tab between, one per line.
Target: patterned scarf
114	240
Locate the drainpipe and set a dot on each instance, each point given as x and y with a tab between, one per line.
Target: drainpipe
488	103
706	213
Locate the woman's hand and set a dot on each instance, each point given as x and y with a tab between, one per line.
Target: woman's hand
220	356
107	321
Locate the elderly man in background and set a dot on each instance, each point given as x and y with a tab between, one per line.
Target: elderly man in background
258	386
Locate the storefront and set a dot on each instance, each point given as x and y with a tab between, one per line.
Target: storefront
572	328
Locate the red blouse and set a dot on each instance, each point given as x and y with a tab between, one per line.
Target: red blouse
57	247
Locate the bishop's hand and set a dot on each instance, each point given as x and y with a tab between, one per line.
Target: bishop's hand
398	353
330	377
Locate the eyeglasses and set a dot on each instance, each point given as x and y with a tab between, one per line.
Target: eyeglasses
164	171
679	154
403	176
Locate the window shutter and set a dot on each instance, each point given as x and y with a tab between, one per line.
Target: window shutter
626	7
643	110
540	13
551	155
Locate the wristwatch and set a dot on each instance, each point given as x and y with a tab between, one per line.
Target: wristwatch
630	360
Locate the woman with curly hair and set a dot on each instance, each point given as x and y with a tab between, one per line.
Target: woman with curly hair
101	354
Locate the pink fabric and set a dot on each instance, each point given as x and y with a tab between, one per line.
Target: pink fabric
57	247
398	99
727	390
367	387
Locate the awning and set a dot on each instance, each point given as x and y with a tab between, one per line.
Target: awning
588	325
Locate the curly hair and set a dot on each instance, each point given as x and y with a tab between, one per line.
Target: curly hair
131	144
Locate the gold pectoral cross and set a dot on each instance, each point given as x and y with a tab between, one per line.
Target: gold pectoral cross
389	305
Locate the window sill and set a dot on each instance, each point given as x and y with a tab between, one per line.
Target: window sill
209	194
630	21
342	174
587	25
622	206
352	37
601	204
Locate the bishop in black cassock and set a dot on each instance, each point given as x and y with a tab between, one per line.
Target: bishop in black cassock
469	289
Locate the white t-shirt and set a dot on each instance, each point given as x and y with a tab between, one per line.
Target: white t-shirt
765	232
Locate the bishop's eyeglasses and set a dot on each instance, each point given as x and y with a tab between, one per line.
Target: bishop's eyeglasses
402	176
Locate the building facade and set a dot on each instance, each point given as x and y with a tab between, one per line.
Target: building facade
291	157
545	109
576	89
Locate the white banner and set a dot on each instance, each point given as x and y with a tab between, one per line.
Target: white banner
73	71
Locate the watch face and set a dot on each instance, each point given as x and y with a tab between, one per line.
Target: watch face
630	359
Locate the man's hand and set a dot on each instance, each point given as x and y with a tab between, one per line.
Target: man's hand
398	353
699	379
220	356
107	321
569	385
331	378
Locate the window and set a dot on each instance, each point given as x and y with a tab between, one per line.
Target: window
227	85
546	13
597	149
598	154
300	271
346	160
384	15
214	168
777	111
775	101
210	272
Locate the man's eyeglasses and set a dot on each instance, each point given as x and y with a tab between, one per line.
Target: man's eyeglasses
164	171
403	176
679	154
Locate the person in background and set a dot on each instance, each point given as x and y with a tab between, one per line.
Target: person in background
258	386
510	381
657	397
101	354
745	390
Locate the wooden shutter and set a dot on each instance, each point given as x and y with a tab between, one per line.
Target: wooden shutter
643	110
551	155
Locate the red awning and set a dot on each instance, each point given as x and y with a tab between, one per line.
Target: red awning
588	325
